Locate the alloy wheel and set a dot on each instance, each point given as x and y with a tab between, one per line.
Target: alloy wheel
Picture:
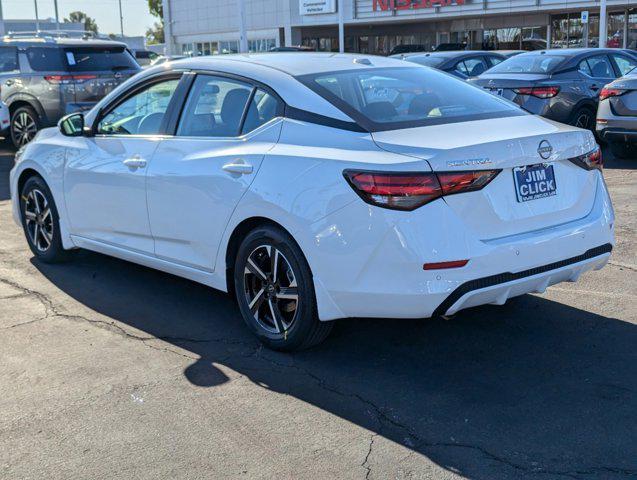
583	120
23	128
271	289
38	220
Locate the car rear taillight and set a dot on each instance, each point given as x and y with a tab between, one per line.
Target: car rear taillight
610	92
592	160
539	92
410	190
66	79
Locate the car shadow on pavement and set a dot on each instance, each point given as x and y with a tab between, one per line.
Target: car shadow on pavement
533	387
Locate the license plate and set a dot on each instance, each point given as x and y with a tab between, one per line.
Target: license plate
534	181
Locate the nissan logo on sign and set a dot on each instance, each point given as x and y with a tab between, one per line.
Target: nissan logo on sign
545	149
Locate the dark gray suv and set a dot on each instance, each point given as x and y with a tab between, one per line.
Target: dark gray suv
562	84
44	78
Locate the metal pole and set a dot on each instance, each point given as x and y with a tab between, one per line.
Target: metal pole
1	20
603	24
168	28
243	39
121	19
341	26
57	18
37	20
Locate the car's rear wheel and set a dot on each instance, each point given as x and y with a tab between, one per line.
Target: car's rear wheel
624	150
583	118
41	222
275	292
25	123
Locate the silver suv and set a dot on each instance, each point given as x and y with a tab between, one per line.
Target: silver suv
43	78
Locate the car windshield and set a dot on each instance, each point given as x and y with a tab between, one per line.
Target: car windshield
529	64
393	98
428	61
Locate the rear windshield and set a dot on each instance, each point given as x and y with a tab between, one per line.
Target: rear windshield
80	59
529	64
393	98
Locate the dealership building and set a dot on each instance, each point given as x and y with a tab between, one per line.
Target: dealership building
198	27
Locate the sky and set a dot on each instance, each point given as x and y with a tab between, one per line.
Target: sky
137	18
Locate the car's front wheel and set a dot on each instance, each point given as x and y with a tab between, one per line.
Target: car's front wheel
275	292
41	222
25	123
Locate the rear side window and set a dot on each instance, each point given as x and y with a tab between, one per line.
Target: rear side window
214	107
8	59
471	67
600	67
89	59
262	109
44	59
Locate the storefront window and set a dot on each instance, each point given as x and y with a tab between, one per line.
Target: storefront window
569	32
528	38
631	42
261	45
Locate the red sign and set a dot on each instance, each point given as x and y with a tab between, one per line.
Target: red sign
384	5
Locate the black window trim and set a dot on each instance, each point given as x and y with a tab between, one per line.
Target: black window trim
132	91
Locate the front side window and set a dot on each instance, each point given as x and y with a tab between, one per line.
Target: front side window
471	67
526	63
141	114
8	59
214	107
392	98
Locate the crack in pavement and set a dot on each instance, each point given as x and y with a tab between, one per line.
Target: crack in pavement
380	414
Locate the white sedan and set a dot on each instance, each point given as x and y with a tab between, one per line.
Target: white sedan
320	186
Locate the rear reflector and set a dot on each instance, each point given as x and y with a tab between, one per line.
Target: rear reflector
539	92
592	160
410	190
443	265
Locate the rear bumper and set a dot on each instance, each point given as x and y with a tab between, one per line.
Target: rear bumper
376	269
496	289
621	135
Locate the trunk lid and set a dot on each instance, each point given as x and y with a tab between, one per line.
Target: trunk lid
504	143
503	84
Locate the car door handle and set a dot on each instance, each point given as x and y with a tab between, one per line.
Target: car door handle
135	162
8	83
594	87
240	168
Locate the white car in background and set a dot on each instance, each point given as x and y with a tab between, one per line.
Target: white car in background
320	186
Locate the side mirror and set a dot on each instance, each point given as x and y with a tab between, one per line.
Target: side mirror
72	125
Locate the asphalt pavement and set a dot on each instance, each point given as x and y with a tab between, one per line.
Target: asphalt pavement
112	370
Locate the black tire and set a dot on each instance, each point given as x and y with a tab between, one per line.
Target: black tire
624	150
297	325
42	230
25	123
584	117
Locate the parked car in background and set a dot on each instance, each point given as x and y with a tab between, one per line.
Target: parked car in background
617	116
450	47
408	48
560	84
44	78
463	64
297	48
509	53
145	57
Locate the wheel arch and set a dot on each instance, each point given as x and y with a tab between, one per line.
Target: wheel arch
23	100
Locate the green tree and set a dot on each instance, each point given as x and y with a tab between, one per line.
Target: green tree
155	34
156	9
81	17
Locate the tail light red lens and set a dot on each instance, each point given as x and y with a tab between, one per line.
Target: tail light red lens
539	92
610	92
66	79
410	190
592	160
